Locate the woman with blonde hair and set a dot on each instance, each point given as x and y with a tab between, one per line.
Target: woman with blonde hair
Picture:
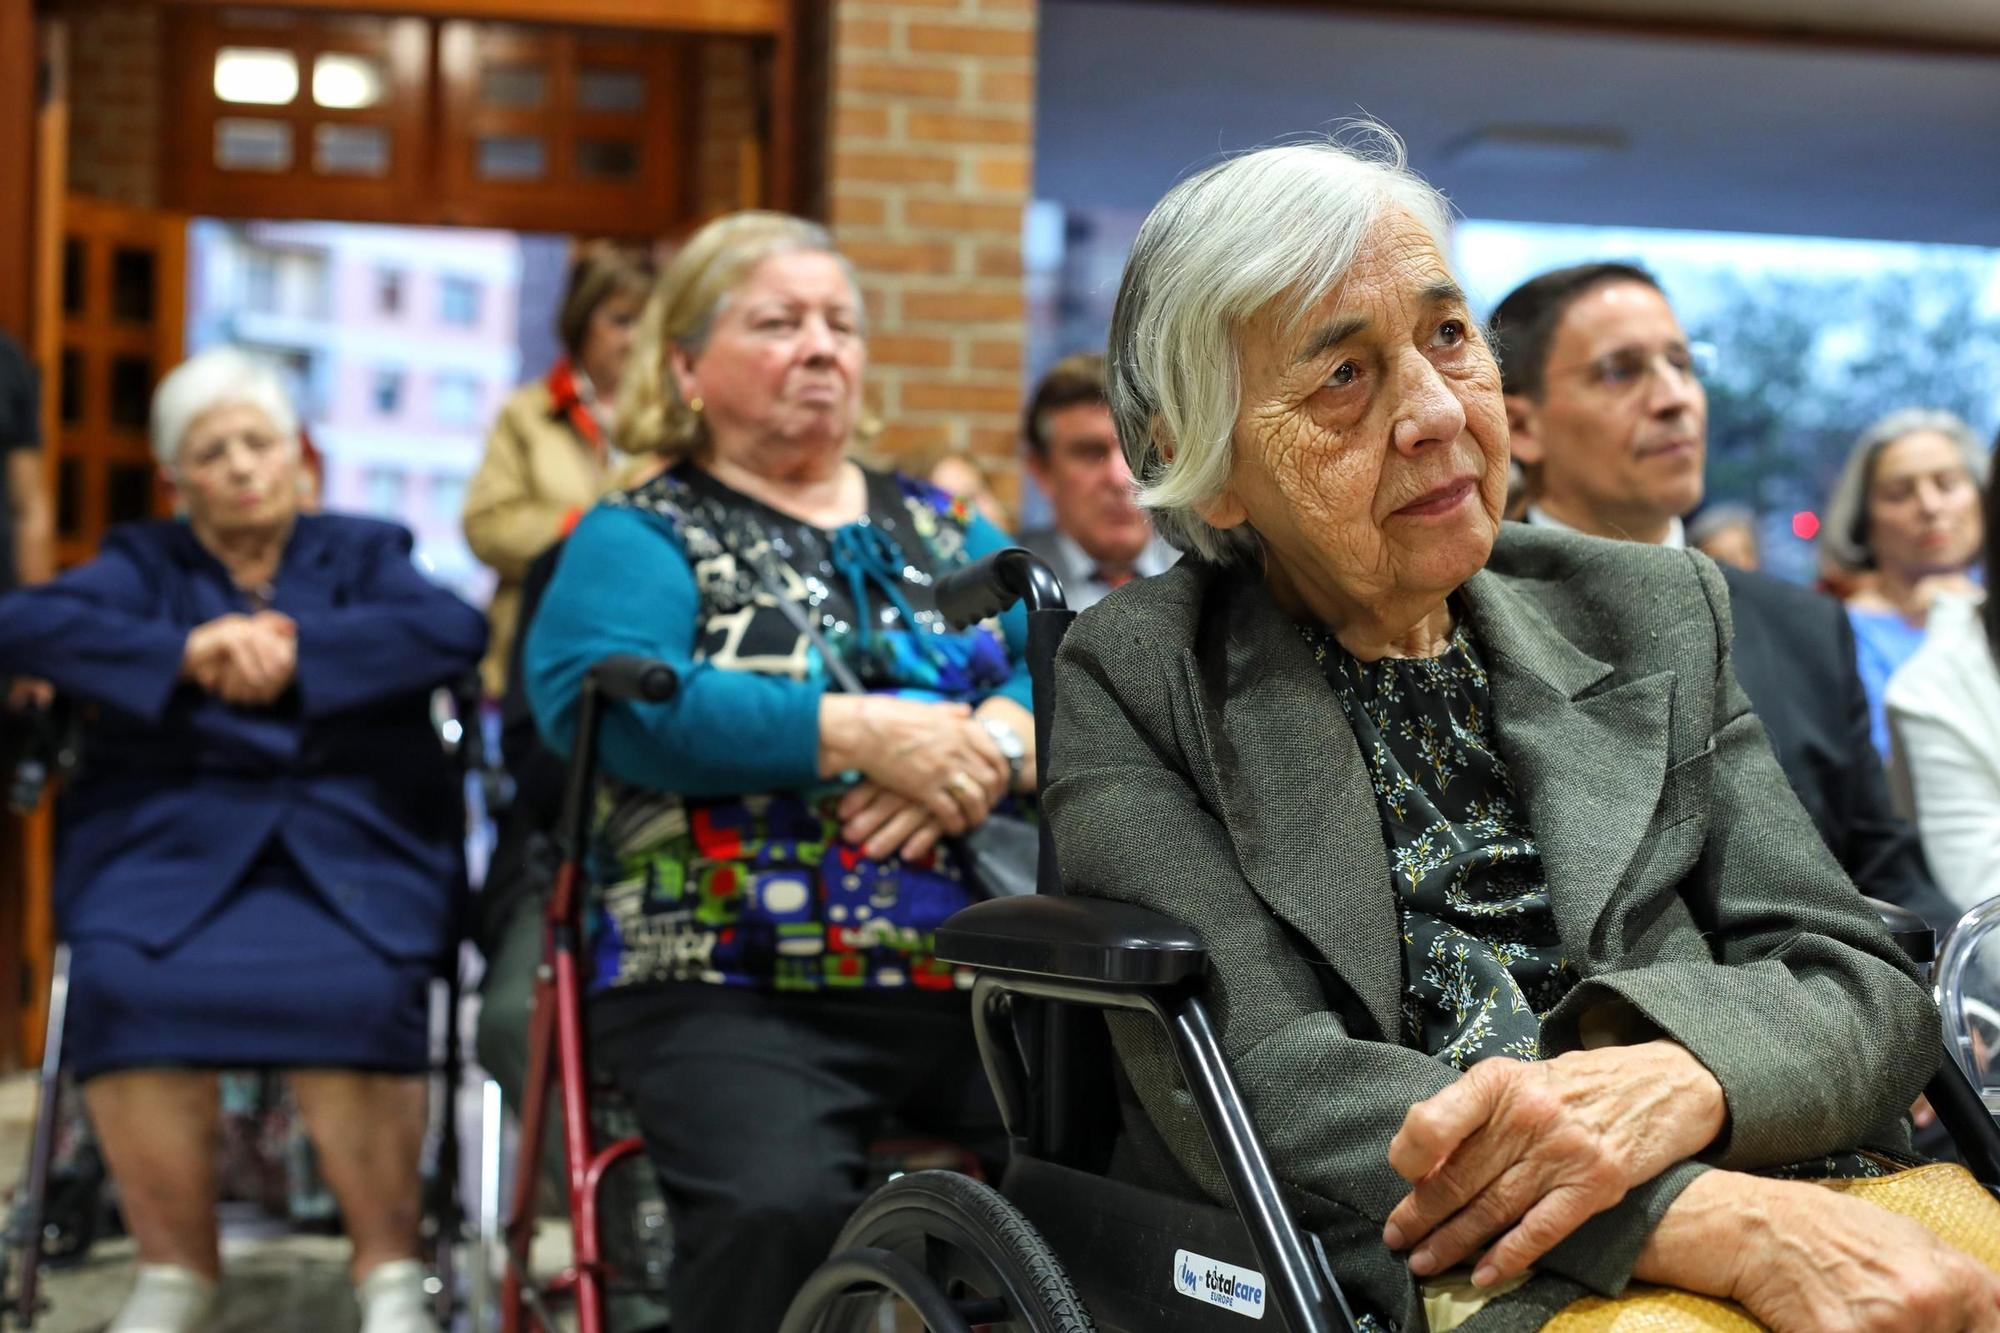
778	841
549	455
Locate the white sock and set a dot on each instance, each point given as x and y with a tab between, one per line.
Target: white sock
167	1298
393	1299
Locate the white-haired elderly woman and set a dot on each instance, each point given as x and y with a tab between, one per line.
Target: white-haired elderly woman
1525	957
256	863
1905	516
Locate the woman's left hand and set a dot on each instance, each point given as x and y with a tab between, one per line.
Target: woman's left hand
1534	1149
882	821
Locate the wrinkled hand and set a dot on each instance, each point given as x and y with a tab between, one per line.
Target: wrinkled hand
26	692
933	755
1540	1147
881	821
1820	1262
243	660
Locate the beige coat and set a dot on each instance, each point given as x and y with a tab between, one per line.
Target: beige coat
538	470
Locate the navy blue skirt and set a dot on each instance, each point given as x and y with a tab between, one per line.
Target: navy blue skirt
270	979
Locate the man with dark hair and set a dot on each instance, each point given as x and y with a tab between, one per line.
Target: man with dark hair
1101	538
1610	421
26	540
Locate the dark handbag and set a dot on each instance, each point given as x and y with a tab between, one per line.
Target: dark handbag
1001	854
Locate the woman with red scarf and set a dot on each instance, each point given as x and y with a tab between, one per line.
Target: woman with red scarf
548	457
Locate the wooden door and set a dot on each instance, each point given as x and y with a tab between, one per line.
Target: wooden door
123	306
27	858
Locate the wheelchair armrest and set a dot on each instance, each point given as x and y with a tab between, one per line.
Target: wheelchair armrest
1073	939
1911	932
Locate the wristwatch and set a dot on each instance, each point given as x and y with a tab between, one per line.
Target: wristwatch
1012	748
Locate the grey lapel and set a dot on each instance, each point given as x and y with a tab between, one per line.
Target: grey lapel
1588	767
1294	791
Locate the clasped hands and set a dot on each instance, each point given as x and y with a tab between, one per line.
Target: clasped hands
1514	1156
929	770
246	660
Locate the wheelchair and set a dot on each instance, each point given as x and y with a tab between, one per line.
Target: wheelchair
56	749
1062	1246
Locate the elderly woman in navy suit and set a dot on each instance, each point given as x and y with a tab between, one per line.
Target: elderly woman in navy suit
256	864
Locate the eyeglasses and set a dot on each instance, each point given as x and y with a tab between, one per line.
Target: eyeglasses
1628	369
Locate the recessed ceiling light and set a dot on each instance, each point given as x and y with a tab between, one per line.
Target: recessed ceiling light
1534	147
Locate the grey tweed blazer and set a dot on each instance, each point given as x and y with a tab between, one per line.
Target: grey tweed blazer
1202	767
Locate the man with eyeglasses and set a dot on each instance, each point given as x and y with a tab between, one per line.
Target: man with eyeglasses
1609	419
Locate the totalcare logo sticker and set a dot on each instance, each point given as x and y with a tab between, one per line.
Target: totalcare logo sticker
1239	1290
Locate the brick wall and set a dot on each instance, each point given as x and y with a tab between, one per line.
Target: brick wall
114	107
933	130
725	173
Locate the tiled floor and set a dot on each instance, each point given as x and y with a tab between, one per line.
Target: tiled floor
273	1283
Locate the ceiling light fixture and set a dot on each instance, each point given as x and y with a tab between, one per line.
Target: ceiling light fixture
1540	148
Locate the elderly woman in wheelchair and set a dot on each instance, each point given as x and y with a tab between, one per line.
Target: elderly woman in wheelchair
779	840
258	860
1532	972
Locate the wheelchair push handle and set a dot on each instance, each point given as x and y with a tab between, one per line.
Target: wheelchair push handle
629	676
992	583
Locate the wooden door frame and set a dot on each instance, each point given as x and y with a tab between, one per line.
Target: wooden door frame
19	81
34	132
741	18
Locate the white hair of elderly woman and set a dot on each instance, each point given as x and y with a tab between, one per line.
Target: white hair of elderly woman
219	377
1845	534
1269	233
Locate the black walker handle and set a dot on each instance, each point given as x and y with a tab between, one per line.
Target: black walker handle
628	676
620	677
992	583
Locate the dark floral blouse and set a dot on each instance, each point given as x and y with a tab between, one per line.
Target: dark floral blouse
1481	960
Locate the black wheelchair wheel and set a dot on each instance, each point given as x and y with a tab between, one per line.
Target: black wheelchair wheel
970	1245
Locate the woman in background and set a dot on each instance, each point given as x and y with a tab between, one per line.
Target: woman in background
1905	513
549	456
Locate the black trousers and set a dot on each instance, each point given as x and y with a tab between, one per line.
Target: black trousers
758	1109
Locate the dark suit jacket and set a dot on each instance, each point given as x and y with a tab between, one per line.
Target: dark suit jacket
1202	767
180	792
1795	658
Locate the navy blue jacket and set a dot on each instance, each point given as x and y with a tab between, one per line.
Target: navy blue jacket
180	792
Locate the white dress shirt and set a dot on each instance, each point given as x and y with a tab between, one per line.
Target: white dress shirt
1083	581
